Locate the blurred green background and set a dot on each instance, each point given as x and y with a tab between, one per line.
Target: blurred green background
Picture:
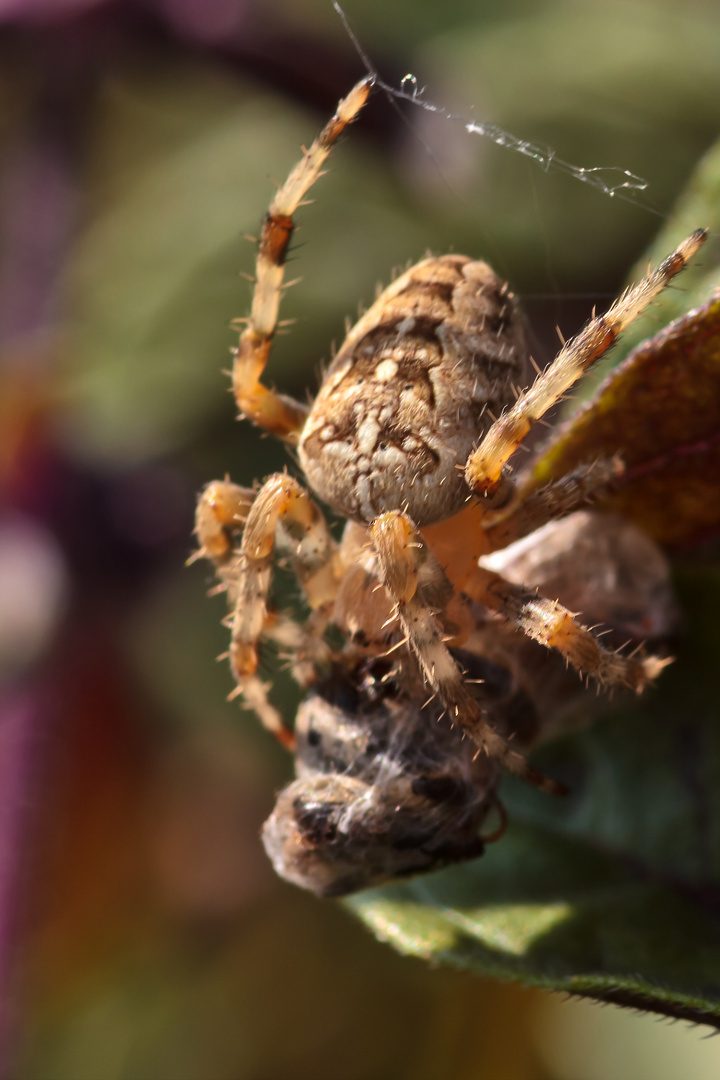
142	932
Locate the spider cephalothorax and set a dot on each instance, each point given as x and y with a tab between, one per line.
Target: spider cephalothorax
409	439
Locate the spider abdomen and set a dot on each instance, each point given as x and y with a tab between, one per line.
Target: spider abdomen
411	391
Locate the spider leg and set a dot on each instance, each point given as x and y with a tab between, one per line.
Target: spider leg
551	624
484	471
304	644
419	587
220	516
269	410
280	516
282	507
555	500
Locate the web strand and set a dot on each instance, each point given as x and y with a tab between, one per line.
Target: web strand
610	180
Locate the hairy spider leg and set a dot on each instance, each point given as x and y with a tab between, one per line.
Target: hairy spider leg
419	586
266	408
285	517
558	499
484	469
220	517
551	624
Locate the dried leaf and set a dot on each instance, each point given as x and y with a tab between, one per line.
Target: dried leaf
660	410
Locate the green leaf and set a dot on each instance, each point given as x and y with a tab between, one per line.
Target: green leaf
698	207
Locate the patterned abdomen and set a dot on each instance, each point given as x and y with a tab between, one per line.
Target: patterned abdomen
411	391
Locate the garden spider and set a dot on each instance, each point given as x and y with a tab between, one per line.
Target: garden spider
409	439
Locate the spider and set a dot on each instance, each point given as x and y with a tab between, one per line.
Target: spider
409	439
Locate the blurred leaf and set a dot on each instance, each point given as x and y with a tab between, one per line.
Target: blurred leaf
661	411
154	281
614	892
183	167
700	203
587	86
698	207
